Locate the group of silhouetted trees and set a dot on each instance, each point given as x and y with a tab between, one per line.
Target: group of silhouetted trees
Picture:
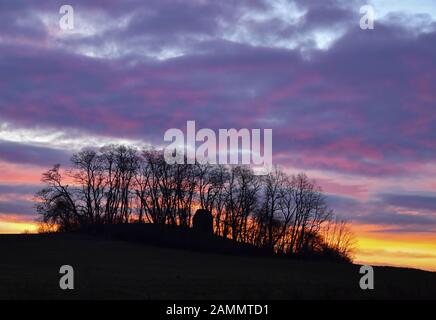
119	184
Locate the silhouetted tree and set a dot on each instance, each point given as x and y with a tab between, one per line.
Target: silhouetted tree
118	184
88	173
56	203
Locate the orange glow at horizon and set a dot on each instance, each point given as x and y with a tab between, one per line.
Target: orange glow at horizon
388	249
412	250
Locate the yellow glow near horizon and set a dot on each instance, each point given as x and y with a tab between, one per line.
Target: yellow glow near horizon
411	250
14	227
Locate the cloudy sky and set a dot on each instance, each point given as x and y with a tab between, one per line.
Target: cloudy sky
353	108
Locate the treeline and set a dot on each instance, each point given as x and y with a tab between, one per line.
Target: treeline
119	184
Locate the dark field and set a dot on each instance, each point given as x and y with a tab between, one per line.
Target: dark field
110	269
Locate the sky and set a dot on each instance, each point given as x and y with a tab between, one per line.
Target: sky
354	109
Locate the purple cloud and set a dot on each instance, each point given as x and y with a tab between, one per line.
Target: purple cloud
339	100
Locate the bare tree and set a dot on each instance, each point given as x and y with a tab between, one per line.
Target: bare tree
273	193
120	165
339	238
55	202
88	173
286	214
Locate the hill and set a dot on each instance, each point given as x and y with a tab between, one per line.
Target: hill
174	237
114	269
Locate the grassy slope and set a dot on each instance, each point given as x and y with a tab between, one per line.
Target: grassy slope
29	266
